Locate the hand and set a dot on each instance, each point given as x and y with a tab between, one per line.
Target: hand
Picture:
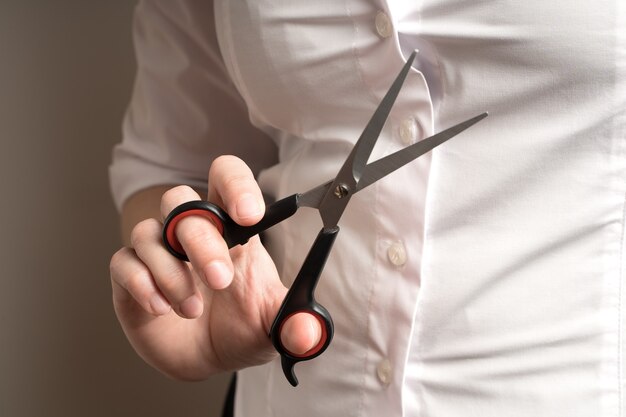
190	320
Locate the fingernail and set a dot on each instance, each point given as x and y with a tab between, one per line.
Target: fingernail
159	305
191	307
217	275
248	206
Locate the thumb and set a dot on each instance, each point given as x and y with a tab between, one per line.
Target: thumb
301	333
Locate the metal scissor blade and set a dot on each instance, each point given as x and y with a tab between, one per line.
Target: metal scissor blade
363	148
313	198
385	166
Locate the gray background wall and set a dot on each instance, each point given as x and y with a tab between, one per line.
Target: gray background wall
66	70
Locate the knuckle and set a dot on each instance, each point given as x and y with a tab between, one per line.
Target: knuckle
135	279
229	170
138	285
173	282
238	182
127	274
195	236
177	195
118	260
144	232
179	190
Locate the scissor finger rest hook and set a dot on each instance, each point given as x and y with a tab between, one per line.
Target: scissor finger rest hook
289	359
301	299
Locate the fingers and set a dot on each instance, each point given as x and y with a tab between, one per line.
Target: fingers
172	277
131	277
301	333
232	185
206	249
156	281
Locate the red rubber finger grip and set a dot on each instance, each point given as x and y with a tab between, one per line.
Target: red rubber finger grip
171	228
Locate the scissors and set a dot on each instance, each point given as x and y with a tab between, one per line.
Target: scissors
330	199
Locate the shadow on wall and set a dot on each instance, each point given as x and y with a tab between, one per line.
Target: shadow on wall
65	76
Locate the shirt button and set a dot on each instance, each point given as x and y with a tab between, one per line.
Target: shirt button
383	371
396	254
408	131
383	25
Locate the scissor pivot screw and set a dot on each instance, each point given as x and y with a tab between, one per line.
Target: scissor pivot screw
341	191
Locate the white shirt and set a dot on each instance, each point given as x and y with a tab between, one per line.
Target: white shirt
481	280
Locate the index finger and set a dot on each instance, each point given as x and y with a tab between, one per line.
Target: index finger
200	240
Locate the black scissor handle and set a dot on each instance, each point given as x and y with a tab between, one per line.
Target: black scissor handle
232	233
301	299
215	214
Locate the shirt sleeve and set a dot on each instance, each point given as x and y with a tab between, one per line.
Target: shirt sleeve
184	110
